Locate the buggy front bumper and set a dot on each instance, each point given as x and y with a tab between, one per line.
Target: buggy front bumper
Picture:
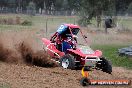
91	61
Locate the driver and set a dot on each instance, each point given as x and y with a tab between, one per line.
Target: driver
64	39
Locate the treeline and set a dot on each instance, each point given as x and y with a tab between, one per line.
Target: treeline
46	6
71	6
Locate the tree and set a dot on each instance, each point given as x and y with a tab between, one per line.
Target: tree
122	6
3	3
74	4
39	4
58	4
129	10
92	8
31	8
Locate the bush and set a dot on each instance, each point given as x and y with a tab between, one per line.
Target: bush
26	23
129	10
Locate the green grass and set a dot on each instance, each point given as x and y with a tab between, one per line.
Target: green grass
110	52
14	27
38	22
127	23
4	85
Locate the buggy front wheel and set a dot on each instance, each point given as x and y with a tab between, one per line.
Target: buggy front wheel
104	65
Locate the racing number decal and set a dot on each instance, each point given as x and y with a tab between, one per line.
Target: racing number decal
61	27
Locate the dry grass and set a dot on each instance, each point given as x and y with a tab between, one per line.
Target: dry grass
106	39
110	39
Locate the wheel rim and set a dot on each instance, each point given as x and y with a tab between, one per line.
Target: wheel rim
65	63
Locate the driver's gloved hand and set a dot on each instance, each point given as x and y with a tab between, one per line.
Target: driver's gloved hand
52	41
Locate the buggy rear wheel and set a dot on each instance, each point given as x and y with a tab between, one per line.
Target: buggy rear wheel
67	62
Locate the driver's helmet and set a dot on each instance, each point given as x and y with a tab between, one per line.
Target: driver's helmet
64	29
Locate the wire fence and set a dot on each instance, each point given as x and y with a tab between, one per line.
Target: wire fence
46	23
50	23
6	10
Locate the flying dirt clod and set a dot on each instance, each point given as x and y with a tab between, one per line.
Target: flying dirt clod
25	54
4	53
39	58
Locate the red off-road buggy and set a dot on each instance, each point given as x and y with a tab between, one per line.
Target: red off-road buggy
63	48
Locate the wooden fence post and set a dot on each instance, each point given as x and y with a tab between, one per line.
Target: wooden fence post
46	26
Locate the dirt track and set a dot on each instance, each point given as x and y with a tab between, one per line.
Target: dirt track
20	75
